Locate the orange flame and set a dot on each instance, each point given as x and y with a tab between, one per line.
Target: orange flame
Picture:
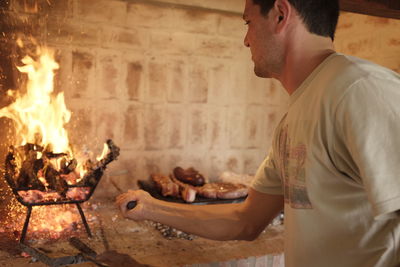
40	117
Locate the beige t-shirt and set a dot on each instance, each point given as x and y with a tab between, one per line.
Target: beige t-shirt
336	159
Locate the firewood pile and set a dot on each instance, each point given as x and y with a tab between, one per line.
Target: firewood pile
31	170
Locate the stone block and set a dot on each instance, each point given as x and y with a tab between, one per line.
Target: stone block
133	127
365	45
176	126
240	84
150	16
218	47
172	42
174	159
256	90
391	61
195	20
14	25
233	162
198	83
217	124
179	18
108	70
61	8
154	162
253	126
157	82
81	127
108	121
155	127
237	126
66	32
216	164
197	124
104	11
63	76
135	78
122	38
252	159
220	83
232	25
177	81
131	169
83	74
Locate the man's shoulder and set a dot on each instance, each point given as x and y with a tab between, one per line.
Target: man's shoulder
355	68
343	72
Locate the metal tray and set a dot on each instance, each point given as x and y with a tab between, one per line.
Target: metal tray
149	186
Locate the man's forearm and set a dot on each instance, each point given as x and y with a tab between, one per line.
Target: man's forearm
244	220
214	221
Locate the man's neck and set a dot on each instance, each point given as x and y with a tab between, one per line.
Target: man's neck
302	58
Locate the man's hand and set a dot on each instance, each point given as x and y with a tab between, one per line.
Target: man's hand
143	200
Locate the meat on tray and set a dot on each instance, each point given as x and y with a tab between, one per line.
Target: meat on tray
189	176
223	190
165	185
171	186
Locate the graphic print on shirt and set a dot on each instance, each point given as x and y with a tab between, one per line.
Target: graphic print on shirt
292	166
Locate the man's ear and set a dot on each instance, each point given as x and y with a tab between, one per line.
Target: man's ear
282	13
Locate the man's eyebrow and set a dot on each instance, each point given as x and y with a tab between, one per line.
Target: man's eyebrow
244	16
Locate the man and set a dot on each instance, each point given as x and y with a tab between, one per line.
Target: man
333	165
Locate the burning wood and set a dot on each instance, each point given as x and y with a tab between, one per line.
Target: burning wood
55	174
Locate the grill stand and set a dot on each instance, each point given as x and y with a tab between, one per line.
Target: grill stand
28	216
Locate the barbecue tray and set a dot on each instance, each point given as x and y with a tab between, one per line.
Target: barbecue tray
149	186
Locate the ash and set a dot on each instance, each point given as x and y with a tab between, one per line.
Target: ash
170	232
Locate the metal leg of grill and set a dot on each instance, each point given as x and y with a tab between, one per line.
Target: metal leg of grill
28	216
84	220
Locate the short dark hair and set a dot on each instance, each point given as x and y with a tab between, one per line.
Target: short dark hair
319	16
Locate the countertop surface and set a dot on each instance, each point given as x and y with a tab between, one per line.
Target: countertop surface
139	243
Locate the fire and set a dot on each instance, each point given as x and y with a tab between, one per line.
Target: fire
39	117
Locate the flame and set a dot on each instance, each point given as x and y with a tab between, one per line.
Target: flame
40	117
104	153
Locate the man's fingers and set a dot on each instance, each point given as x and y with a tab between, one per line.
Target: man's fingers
123	199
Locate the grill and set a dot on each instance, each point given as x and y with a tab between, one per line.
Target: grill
58	192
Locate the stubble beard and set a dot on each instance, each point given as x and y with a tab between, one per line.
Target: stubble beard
270	69
270	65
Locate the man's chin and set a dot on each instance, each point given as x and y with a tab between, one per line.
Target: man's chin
261	74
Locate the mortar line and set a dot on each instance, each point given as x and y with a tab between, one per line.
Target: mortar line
184	6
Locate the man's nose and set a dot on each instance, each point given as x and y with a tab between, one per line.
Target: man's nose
246	41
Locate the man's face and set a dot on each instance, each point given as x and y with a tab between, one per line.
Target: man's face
266	51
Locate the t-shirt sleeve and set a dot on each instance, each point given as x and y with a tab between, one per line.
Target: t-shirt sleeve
368	124
267	178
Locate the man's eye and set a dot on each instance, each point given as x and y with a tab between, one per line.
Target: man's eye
246	22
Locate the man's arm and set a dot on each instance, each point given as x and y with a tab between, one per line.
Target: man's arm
237	221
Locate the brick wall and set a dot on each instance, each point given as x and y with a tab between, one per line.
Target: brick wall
373	38
170	83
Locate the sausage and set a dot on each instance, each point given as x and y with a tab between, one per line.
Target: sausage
189	176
